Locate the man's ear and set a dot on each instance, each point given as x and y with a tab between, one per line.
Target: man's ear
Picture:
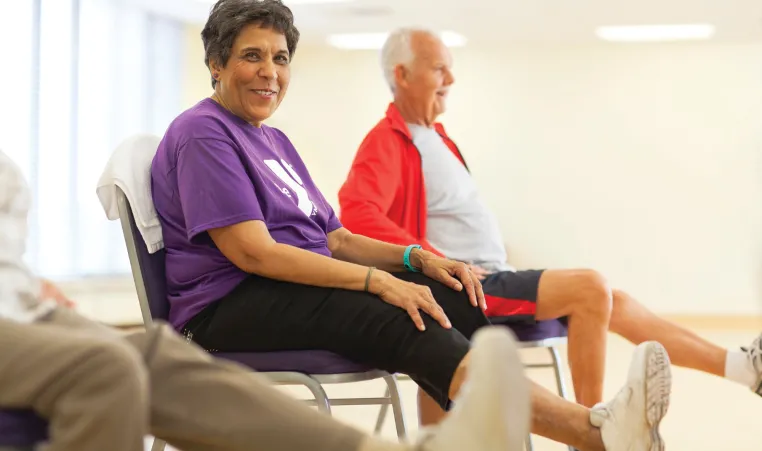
401	75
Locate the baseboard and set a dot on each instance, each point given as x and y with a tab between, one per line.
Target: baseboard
86	285
718	322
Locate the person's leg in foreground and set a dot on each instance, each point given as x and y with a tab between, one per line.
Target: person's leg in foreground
88	383
197	403
100	390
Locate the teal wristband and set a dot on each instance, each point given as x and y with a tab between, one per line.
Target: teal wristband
406	258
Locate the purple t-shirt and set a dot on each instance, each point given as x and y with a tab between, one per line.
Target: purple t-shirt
213	169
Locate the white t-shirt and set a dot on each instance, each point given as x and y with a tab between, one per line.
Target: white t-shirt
19	288
459	224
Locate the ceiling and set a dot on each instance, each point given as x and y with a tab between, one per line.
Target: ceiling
505	22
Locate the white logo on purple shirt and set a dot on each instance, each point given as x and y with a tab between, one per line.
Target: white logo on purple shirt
292	179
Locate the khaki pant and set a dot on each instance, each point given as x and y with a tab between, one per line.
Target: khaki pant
102	390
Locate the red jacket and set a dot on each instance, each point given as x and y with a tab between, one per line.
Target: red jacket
384	196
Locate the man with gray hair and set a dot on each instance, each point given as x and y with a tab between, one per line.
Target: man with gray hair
409	183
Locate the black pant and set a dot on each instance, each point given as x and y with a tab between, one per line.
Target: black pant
262	315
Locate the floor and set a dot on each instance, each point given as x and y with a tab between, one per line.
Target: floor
707	413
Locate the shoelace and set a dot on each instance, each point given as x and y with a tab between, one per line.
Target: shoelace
754	353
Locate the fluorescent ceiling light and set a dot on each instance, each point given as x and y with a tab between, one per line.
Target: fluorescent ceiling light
374	41
298	2
312	2
654	33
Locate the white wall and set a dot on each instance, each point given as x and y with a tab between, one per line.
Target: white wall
640	161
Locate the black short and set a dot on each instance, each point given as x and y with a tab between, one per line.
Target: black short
263	315
512	294
512	297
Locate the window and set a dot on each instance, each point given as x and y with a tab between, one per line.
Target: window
86	75
17	38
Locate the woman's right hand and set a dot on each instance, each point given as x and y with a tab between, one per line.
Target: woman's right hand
408	296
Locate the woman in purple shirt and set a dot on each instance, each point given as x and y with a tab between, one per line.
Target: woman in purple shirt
258	261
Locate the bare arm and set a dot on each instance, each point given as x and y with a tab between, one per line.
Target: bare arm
346	246
250	247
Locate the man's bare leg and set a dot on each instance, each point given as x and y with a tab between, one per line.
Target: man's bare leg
429	412
552	417
580	294
637	324
629	421
584	297
563	421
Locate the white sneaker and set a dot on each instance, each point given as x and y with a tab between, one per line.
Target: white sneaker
492	411
754	354
630	421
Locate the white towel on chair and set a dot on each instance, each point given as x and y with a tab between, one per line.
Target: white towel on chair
129	168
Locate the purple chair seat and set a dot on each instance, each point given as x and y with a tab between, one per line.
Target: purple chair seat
21	428
307	362
541	330
532	332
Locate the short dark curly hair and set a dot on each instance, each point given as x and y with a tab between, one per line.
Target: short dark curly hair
229	17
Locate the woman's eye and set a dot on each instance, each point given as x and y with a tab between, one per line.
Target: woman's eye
281	59
251	56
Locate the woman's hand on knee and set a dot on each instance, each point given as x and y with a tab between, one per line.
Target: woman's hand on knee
410	297
456	275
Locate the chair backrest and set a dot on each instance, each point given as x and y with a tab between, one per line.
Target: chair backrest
147	269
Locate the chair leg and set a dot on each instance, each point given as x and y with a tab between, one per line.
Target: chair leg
528	446
321	398
158	445
382	412
399	415
560	382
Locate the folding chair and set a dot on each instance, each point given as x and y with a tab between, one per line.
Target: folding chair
309	368
544	334
21	430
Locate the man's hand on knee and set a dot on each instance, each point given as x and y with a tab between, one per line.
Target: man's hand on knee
455	275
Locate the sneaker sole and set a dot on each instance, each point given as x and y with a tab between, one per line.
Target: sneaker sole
758	385
501	359
658	387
